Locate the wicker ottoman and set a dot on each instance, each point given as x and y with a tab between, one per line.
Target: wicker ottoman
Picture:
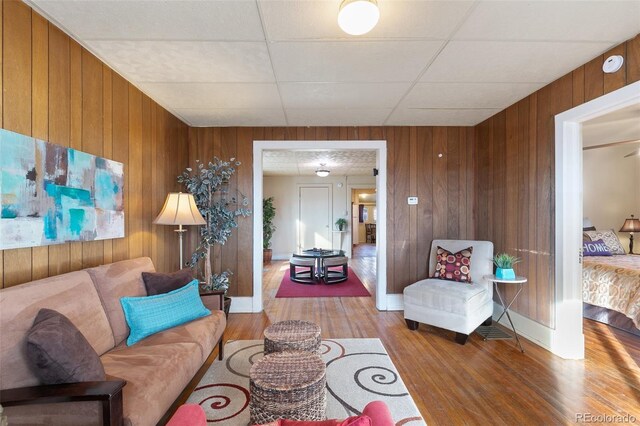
288	385
292	335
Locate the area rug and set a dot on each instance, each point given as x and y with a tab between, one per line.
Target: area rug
352	287
358	371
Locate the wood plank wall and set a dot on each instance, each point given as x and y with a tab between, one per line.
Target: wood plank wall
55	90
444	186
515	182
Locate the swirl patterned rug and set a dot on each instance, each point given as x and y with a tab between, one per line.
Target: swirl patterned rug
358	371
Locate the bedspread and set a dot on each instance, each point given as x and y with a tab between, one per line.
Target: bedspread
613	282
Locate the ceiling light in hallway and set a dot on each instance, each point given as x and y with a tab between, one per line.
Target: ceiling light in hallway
357	17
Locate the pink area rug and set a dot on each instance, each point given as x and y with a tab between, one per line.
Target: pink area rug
352	287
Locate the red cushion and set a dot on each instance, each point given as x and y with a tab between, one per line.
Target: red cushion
188	415
379	414
453	266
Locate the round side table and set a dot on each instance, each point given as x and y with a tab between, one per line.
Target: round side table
489	332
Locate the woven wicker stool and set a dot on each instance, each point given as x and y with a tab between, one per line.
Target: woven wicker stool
288	385
292	335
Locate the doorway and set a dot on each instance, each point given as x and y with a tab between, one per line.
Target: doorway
567	339
379	146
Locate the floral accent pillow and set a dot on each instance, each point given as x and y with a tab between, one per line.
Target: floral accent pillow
610	239
453	266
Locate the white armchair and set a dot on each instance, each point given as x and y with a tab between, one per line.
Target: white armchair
456	306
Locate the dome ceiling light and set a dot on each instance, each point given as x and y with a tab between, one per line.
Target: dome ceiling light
322	171
357	17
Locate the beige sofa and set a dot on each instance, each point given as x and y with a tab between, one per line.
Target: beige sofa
156	370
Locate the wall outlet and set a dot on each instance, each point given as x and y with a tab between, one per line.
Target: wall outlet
412	201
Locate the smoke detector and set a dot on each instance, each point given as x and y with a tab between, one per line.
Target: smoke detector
612	64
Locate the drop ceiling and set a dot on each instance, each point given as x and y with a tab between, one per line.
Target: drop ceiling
286	63
305	163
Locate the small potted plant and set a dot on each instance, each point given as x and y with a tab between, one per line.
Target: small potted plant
341	224
504	266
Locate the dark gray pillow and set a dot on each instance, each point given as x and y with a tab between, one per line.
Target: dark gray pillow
58	353
159	283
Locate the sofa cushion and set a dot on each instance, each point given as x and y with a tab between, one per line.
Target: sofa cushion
159	283
454	297
116	280
157	369
152	314
59	353
73	295
453	266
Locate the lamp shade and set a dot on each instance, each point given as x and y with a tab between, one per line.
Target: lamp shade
179	209
631	225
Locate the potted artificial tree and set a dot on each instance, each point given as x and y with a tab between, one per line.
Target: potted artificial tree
504	266
209	184
268	214
341	224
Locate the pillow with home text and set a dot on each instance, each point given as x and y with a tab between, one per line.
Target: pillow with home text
595	248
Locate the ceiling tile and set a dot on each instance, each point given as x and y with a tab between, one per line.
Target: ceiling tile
226	117
354	61
439	117
214	95
341	95
467	95
298	20
337	117
552	20
157	20
514	62
188	61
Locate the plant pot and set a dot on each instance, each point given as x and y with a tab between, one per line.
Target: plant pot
340	227
227	306
505	274
266	256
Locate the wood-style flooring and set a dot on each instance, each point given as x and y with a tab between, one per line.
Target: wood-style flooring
483	382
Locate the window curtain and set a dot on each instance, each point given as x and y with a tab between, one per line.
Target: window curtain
361	213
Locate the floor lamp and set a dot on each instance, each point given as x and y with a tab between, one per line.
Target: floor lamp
179	209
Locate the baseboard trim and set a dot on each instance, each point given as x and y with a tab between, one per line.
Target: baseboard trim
241	305
395	302
526	327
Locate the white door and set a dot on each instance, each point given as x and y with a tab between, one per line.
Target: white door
314	228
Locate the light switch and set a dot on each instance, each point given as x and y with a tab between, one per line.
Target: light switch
412	201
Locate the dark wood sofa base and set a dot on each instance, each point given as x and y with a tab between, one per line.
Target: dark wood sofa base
109	393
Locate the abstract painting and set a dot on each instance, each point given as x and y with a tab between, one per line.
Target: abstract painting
51	194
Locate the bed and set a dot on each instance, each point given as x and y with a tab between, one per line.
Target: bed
612	283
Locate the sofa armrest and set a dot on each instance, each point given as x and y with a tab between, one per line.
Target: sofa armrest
109	393
213	300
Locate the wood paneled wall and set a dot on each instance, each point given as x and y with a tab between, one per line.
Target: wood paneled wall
515	182
443	184
55	90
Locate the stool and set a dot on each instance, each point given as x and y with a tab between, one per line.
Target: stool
292	335
308	273
288	385
332	277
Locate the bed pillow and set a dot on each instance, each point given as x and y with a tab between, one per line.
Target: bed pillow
610	239
57	352
159	283
453	266
595	248
153	314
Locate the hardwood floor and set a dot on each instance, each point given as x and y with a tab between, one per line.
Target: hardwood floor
483	382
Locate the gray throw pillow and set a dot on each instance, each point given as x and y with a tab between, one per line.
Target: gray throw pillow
159	283
57	351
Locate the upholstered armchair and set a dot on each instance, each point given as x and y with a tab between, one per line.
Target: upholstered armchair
456	306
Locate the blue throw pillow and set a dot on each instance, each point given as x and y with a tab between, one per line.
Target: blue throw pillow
152	314
595	248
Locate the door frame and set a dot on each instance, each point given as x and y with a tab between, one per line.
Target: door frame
350	188
380	146
567	339
329	187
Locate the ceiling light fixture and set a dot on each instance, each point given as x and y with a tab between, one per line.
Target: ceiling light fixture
322	171
357	17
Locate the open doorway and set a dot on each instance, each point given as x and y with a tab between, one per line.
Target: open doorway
296	235
364	217
567	339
